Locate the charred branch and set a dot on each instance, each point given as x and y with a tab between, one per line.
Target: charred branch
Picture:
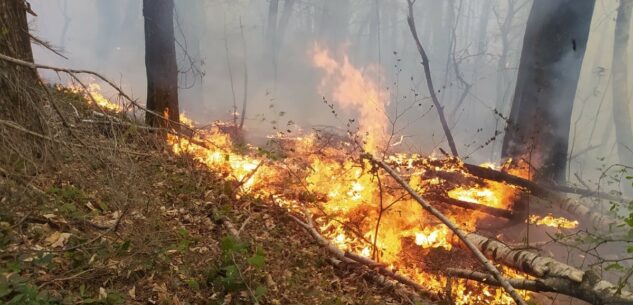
445	200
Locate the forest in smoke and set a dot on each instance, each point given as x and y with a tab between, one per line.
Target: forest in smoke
473	46
316	152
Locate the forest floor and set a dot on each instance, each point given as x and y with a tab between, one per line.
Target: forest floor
114	217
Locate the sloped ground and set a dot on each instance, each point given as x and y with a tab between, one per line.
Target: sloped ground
113	217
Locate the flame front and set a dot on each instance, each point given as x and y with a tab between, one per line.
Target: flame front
356	208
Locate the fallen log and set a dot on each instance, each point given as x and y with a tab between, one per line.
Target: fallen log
382	281
588	217
536	189
461	234
549	284
597	220
560	277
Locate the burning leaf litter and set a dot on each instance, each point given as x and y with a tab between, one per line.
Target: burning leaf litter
344	193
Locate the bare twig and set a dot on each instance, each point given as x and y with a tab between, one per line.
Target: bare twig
113	228
245	66
429	81
72	73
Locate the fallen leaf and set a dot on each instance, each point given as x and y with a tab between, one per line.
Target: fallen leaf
132	292
103	294
58	239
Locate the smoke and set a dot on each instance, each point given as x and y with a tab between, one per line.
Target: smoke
285	86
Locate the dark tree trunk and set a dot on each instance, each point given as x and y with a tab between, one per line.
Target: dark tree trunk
20	101
621	111
553	49
160	61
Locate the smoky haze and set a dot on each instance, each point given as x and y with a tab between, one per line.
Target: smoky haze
474	48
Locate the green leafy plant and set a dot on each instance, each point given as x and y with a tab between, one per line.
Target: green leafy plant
15	290
240	268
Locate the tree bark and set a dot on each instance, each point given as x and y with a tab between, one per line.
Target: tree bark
553	49
621	112
20	101
584	285
550	284
160	62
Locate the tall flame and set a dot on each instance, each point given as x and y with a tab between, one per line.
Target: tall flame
355	209
355	89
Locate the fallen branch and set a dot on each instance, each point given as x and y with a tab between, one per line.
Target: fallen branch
17	127
534	188
223	220
597	220
523	284
351	258
112	228
445	200
72	73
461	234
562	278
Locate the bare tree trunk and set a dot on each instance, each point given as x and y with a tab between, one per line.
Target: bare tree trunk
271	36
553	49
503	78
245	66
284	20
160	61
62	38
20	102
621	112
429	82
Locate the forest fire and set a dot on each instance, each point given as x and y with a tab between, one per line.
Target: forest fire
385	182
355	207
358	208
92	93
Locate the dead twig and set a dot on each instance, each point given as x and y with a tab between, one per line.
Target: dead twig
113	228
429	81
221	219
73	72
17	127
351	258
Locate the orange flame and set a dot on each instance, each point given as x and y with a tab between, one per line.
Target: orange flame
385	222
555	222
353	89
